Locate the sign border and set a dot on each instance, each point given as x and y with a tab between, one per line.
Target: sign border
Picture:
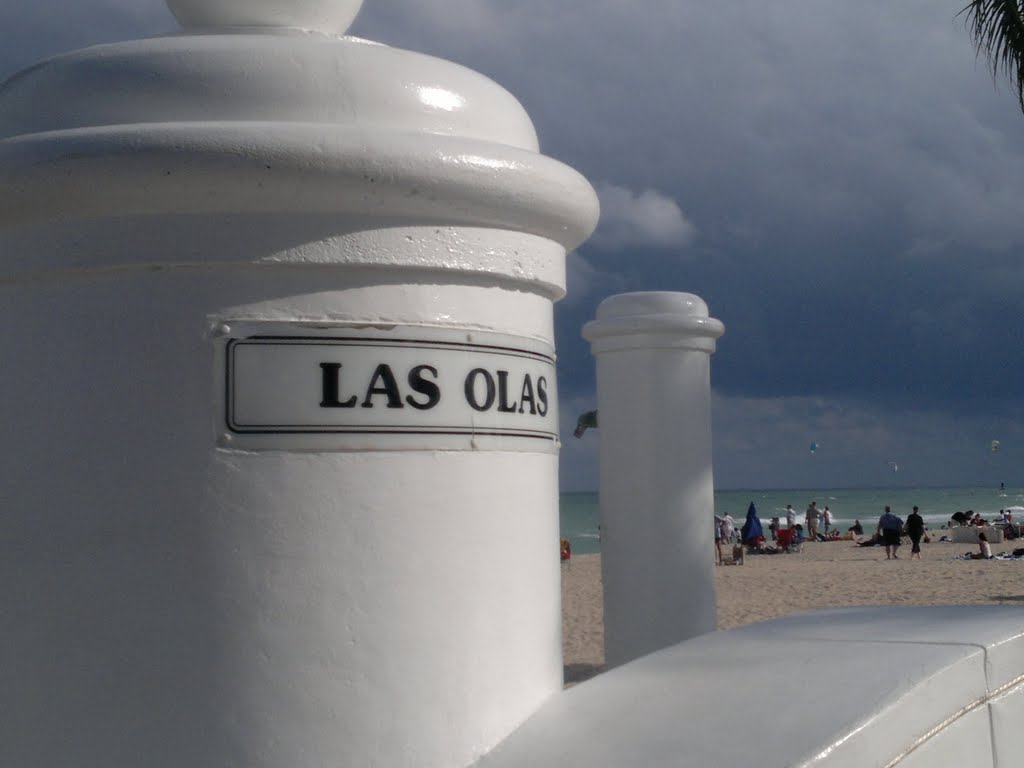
233	427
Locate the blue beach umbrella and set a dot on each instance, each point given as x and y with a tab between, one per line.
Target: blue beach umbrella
751	532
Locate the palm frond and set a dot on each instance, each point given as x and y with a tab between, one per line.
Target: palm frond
997	28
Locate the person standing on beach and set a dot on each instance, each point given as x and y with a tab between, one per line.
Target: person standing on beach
812	515
889	528
790	516
728	526
915	530
826	519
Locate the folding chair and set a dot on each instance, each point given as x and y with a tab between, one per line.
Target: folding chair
786	539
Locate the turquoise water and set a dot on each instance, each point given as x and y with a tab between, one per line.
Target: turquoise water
579	514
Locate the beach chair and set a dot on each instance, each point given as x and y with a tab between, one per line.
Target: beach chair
787	540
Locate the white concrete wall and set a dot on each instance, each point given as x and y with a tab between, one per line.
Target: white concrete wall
901	686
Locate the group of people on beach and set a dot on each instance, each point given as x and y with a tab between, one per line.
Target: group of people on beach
751	535
1011	528
891	529
819	524
889	532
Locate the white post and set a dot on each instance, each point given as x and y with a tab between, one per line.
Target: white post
653	354
280	445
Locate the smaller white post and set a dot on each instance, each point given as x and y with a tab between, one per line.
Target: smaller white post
653	353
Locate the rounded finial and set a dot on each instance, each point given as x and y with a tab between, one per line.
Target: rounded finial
332	16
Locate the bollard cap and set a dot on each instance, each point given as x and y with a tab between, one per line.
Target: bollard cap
652	304
246	114
329	16
653	319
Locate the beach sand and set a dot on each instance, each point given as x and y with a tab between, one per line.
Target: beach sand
823	575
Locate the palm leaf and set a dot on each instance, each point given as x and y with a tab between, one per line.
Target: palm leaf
997	28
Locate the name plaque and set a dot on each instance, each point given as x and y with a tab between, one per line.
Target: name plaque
357	388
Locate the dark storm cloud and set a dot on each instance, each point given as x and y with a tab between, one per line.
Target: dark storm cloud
841	182
853	174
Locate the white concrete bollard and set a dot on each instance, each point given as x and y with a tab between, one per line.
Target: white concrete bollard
280	423
656	491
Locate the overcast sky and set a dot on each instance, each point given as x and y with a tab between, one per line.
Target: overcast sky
843	183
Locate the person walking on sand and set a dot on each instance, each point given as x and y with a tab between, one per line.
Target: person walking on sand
915	530
889	528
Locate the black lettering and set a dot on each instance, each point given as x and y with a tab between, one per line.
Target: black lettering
330	376
427	388
387	386
526	396
542	396
470	388
503	404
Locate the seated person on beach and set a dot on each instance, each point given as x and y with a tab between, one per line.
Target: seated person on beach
961	518
798	534
857	529
984	550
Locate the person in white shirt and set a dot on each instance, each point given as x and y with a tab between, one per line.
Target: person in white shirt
984	549
790	516
728	526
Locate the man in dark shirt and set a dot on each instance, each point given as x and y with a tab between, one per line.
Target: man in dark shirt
915	530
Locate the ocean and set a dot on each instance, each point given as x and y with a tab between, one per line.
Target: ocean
579	514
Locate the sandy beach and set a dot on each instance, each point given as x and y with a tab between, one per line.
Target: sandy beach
823	575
